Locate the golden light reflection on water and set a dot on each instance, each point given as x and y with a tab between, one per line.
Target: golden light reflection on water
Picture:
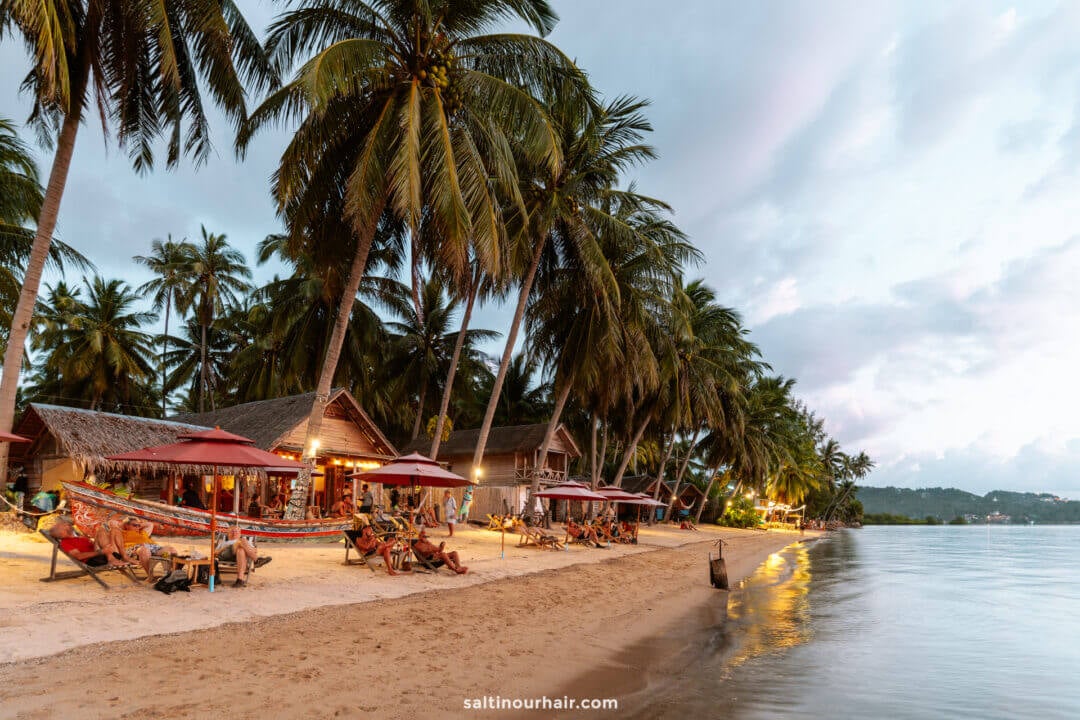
772	606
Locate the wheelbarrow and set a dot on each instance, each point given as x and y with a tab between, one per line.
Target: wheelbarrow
717	567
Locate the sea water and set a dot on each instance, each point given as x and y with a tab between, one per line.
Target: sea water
890	622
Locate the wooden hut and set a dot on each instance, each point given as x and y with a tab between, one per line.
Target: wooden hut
509	463
689	494
71	444
349	440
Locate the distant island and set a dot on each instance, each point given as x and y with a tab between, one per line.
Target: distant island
904	506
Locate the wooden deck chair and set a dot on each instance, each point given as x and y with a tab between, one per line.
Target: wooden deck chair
495	522
426	564
94	571
364	558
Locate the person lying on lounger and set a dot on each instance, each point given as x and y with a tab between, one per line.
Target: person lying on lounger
138	545
585	533
427	550
368	543
106	548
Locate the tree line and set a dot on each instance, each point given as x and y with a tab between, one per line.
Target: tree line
427	144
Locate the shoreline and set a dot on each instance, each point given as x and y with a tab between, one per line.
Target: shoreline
547	620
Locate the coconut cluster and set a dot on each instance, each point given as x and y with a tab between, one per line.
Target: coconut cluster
440	74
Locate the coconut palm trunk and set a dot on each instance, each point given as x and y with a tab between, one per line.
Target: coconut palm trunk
444	406
421	401
39	253
549	435
508	352
631	450
165	351
705	499
663	465
204	380
592	449
496	388
682	470
603	454
297	500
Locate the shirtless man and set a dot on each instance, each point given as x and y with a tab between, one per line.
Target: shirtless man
368	542
425	549
106	548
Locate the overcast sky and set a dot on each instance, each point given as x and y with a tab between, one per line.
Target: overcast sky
885	190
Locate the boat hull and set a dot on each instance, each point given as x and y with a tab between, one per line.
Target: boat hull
91	506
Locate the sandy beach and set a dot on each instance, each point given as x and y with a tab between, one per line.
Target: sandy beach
310	637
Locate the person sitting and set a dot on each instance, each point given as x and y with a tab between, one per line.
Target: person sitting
191	499
369	544
584	533
138	545
241	551
342	508
106	548
277	503
426	550
395	498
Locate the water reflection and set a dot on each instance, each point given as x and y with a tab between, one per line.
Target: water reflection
766	614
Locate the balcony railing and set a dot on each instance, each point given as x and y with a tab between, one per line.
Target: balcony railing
548	476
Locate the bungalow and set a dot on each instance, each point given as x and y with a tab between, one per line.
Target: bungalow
509	463
349	440
72	444
689	494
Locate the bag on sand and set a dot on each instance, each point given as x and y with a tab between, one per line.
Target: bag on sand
202	574
176	581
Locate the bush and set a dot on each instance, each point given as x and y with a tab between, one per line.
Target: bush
739	514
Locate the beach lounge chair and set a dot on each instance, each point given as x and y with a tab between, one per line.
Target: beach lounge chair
536	536
363	557
429	565
94	572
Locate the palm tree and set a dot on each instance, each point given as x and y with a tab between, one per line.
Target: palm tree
215	270
588	336
101	357
170	262
145	67
420	345
199	368
405	107
567	208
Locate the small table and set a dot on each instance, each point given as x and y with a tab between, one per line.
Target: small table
191	566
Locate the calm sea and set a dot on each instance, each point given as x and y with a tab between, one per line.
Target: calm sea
890	622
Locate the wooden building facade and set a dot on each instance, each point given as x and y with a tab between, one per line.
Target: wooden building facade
509	463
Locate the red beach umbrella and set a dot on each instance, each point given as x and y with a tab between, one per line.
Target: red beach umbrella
615	494
571	491
414	469
216	448
12	437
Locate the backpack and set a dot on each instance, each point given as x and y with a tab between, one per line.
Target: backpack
176	581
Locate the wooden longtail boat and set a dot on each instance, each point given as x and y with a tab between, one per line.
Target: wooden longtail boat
91	505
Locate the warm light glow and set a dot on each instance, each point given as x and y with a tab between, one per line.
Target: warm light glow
749	496
368	464
315	446
478	472
337	461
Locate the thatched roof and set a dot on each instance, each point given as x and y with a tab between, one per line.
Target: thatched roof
501	441
88	436
646	483
268	422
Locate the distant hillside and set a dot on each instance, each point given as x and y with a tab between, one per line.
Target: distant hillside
947	503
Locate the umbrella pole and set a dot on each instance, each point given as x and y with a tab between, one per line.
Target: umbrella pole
213	529
502	550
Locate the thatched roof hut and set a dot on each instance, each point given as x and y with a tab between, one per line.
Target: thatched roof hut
281	423
70	443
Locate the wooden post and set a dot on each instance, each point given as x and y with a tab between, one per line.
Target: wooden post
213	529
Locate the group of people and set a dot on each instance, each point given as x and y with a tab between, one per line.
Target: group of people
122	540
602	531
369	543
